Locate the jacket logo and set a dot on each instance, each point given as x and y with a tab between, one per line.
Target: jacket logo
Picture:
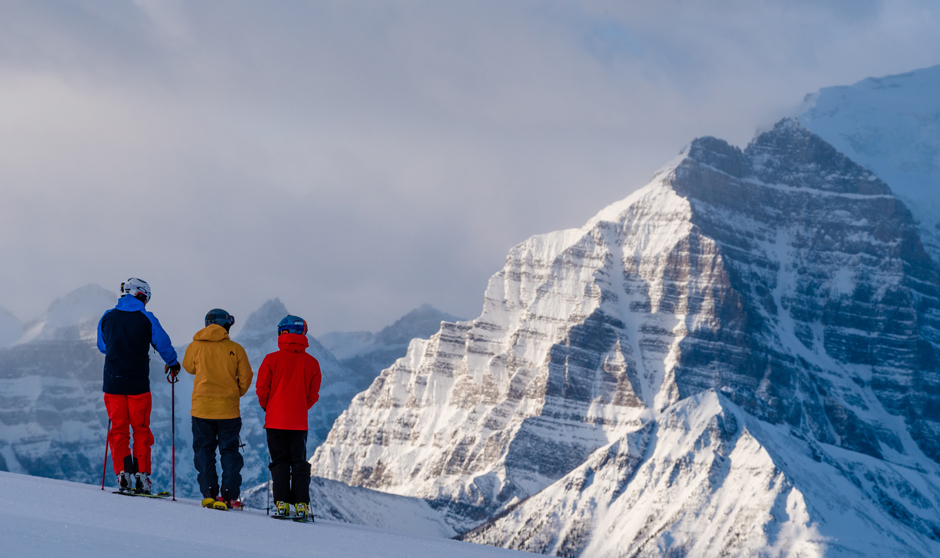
231	353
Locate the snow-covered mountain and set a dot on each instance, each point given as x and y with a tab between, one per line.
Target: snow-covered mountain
717	481
73	317
892	126
366	354
52	419
739	358
11	328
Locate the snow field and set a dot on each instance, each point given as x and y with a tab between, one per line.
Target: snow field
42	517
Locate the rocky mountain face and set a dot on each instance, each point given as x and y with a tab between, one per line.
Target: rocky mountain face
752	336
891	126
366	354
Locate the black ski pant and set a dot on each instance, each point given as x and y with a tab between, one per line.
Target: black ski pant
222	433
290	472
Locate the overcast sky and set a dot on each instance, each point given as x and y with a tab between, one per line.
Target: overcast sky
357	159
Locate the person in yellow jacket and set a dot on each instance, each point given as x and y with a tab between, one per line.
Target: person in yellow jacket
223	376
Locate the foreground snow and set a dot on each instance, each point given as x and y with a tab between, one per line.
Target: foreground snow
42	517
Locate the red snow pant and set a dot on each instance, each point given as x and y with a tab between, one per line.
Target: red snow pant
126	412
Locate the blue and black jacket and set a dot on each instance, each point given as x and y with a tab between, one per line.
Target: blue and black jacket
125	334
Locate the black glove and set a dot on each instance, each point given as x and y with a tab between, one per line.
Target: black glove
172	371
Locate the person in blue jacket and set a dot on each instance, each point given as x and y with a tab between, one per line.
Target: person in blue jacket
125	335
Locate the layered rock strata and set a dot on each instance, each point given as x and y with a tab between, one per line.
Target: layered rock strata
785	276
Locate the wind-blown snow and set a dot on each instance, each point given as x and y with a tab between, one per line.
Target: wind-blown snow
41	517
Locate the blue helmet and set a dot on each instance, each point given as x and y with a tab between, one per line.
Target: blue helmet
292	324
220	317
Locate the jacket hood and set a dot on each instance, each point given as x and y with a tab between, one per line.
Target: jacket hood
292	342
129	304
213	332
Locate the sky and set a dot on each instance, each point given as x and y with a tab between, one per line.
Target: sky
358	159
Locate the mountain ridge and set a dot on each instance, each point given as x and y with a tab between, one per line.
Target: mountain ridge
783	275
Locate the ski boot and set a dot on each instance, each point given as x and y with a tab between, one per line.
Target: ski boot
282	509
125	482
230	498
234	505
301	510
143	486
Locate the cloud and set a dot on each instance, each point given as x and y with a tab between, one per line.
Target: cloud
360	158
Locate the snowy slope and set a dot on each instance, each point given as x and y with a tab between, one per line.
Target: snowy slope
11	328
785	276
338	502
892	126
40	517
780	495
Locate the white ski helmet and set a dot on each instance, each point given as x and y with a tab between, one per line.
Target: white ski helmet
136	287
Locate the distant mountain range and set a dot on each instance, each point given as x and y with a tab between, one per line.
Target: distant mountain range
52	418
365	354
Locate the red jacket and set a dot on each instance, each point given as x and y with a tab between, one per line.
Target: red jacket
288	384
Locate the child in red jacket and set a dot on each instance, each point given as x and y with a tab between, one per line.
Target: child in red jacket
288	385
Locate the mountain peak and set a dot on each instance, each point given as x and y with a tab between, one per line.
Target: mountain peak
264	320
422	322
890	126
73	316
795	156
791	155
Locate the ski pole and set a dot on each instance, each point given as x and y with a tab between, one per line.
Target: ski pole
173	429
267	509
170	377
107	442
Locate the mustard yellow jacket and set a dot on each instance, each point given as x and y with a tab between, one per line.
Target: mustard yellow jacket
222	372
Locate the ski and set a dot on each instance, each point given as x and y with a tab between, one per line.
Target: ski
222	506
158	495
308	519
